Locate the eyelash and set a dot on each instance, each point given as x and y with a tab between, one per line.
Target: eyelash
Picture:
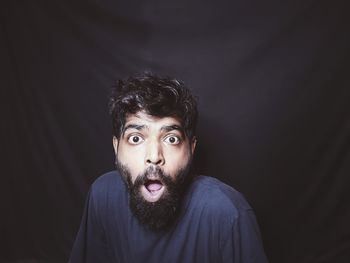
141	139
173	136
135	135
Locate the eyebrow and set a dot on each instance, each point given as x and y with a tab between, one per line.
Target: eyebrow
168	128
164	128
133	126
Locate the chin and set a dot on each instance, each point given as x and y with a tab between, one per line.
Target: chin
156	197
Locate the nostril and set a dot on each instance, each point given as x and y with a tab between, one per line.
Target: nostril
156	162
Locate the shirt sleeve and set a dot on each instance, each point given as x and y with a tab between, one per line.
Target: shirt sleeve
90	244
243	243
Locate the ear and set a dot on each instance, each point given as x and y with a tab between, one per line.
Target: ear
115	145
193	144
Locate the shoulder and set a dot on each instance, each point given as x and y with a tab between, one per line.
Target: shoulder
107	194
107	184
214	196
106	178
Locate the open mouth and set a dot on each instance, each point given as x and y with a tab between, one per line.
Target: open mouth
152	190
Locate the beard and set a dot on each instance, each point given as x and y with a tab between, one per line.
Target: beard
161	214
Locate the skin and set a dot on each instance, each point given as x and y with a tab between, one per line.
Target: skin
149	141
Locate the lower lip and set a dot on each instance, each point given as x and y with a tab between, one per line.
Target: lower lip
152	196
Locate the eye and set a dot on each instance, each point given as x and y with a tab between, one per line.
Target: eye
172	139
135	139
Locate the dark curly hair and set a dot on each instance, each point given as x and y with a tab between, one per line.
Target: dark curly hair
156	96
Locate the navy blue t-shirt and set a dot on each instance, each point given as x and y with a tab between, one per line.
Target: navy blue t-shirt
216	225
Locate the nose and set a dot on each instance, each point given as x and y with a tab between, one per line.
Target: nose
154	154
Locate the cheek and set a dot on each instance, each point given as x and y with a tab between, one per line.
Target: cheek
133	159
177	159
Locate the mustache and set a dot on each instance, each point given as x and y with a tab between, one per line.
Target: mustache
152	173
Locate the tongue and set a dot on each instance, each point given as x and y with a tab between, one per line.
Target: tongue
154	186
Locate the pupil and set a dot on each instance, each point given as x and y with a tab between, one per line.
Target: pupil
172	139
135	139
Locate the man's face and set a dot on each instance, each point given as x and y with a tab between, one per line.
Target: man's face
149	144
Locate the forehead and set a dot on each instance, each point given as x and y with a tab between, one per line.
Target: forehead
142	118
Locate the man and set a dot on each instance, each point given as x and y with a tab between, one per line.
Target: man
153	209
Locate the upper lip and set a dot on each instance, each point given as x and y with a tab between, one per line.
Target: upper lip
153	180
153	177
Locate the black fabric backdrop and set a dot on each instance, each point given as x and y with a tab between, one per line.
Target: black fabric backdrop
272	79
